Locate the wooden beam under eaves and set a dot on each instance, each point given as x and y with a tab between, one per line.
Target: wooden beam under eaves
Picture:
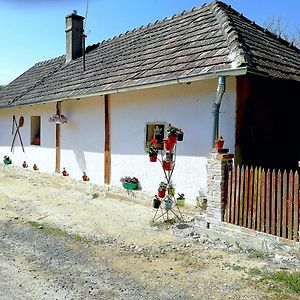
57	140
107	153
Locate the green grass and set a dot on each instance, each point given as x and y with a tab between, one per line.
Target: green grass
57	232
290	279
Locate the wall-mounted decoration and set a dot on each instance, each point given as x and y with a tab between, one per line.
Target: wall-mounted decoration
16	131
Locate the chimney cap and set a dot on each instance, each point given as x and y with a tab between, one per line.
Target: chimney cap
74	16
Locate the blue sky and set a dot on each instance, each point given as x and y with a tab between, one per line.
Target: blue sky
33	30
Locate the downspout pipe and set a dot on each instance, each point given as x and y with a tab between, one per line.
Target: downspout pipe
216	107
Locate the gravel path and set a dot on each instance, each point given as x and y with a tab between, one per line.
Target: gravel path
61	239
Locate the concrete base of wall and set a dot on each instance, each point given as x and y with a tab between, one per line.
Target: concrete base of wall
247	238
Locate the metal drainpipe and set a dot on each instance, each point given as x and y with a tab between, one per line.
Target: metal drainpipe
216	107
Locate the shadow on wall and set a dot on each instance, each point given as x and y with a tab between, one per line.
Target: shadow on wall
80	158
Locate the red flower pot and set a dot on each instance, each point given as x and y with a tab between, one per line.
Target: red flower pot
161	193
153	158
168	165
168	145
219	144
172	139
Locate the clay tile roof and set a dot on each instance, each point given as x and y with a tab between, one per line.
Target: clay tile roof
211	39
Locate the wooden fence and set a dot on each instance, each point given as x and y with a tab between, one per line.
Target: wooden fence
264	200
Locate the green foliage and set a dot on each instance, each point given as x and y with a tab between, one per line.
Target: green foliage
290	279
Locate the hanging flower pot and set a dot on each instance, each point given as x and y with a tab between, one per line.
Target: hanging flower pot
168	165
180	136
172	138
156	202
171	191
169	146
161	193
153	158
168	203
219	144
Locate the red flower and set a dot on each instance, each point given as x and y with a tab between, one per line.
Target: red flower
154	141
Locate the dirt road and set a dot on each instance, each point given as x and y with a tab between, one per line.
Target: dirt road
61	239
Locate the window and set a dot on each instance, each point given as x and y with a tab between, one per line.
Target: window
35	130
156	131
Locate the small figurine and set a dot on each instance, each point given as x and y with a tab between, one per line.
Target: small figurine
35	167
85	177
64	172
24	165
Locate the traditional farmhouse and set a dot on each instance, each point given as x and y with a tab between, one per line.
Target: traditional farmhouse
208	71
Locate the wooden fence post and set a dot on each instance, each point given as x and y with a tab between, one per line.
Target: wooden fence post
218	163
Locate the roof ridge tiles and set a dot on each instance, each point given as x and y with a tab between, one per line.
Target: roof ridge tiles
238	53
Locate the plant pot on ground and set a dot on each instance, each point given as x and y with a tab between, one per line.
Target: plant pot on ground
129	183
7	160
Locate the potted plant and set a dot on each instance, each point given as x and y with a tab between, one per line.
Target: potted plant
180	201
172	132
168	203
219	142
162	189
180	135
169	146
156	202
129	183
151	150
58	119
64	172
7	160
24	164
171	190
35	167
168	165
85	177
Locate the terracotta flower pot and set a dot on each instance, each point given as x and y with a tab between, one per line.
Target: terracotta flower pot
219	144
172	139
161	193
168	165
169	146
153	158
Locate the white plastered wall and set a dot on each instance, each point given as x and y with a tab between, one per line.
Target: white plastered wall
185	106
82	139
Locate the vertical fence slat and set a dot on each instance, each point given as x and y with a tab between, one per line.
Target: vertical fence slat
250	197
279	204
232	196
296	207
273	203
246	188
262	200
228	203
268	195
284	204
290	205
254	198
258	199
241	197
237	195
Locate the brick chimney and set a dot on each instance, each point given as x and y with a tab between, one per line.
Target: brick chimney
74	32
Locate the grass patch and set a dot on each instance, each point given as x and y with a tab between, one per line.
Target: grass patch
290	279
57	232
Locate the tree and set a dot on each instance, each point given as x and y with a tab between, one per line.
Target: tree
281	28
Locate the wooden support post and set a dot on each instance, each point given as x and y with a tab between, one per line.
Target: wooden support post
107	154
57	141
